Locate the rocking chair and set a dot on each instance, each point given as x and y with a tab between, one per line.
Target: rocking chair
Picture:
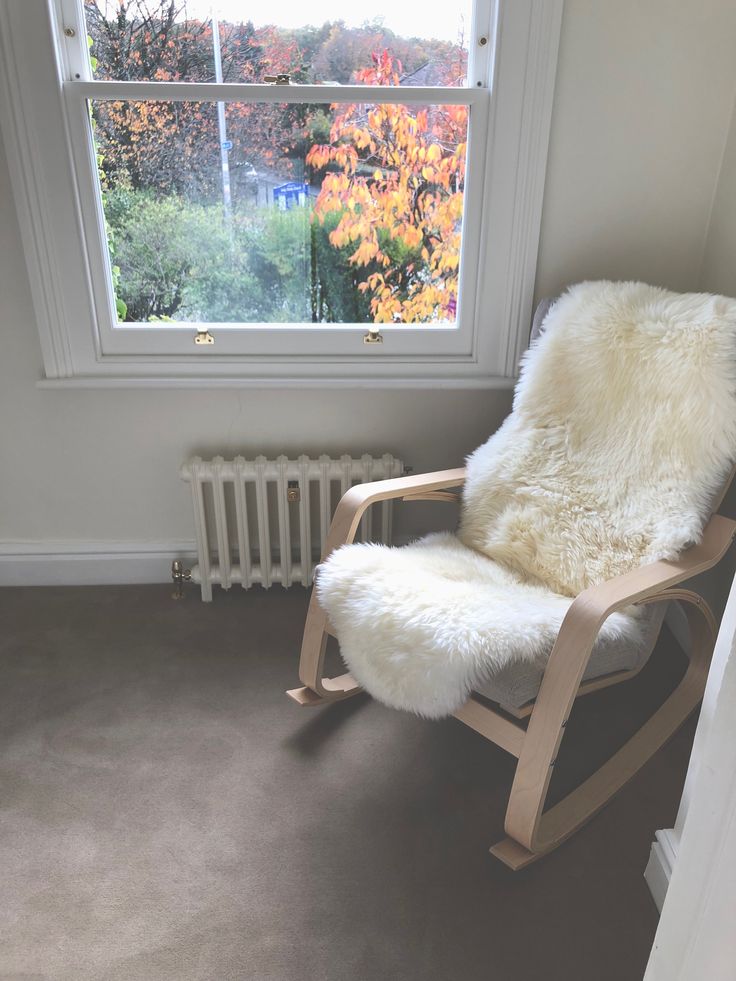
581	517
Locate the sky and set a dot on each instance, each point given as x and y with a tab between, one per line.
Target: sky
408	18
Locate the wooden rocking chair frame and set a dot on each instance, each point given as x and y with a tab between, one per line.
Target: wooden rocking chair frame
530	831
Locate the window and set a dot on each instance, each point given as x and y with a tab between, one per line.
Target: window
204	198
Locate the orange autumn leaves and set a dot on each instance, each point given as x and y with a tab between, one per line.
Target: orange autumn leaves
168	146
395	175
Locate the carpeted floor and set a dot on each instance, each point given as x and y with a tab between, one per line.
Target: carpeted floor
166	812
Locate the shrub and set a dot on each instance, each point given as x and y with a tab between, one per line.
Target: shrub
182	261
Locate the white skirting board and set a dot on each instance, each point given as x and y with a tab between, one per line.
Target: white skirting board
91	563
110	563
663	853
101	563
660	865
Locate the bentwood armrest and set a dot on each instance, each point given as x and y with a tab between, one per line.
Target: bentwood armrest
357	499
564	671
318	689
591	607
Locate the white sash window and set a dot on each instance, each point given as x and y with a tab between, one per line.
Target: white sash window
192	217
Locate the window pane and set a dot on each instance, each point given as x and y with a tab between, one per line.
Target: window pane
276	213
173	41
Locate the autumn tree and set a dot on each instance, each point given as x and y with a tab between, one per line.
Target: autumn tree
172	147
136	40
394	179
347	50
153	145
271	135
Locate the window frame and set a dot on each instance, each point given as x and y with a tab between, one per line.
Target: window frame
43	111
306	341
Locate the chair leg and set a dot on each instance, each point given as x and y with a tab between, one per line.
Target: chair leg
317	689
532	832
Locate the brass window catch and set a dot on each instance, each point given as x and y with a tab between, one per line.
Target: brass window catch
203	336
373	336
283	78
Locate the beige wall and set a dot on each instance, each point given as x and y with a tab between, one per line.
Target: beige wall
644	94
98	465
719	262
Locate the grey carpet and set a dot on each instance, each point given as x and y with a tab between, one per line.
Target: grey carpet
166	813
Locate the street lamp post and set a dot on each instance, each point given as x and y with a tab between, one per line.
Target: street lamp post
222	124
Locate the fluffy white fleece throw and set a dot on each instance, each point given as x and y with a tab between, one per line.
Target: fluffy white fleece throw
622	432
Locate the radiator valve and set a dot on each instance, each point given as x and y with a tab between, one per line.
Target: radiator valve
179	576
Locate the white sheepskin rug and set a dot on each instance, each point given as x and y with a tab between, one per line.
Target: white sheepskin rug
622	432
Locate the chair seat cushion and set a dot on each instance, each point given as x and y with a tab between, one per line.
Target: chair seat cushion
519	683
422	626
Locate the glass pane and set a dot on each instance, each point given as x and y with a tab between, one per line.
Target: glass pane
275	213
173	40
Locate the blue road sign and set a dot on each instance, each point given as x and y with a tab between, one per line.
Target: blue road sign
291	195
